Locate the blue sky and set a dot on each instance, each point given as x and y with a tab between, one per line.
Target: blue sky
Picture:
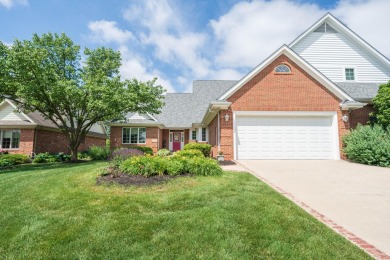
179	41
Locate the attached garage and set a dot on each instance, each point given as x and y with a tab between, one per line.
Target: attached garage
286	135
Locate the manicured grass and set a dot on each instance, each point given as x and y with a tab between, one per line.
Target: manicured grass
57	212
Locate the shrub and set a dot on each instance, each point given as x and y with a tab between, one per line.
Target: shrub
122	154
203	166
13	159
175	167
145	149
45	158
3	152
368	145
163	152
204	148
83	155
98	152
189	153
144	165
61	157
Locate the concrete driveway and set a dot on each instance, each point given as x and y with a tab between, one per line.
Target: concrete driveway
354	196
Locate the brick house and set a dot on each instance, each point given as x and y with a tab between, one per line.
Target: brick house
296	104
32	134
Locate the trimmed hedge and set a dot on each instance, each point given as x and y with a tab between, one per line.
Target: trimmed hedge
13	159
368	145
204	148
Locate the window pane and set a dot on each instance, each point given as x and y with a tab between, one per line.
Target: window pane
282	68
349	74
203	134
126	135
193	135
6	142
15	138
142	135
134	135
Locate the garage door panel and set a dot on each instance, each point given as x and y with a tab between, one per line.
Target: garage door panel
284	137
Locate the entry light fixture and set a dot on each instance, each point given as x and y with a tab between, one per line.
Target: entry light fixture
345	118
227	117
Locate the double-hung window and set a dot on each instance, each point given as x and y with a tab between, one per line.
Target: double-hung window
193	135
133	135
9	139
204	135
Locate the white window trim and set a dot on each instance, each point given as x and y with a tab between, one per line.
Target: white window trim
200	134
1	139
196	134
130	135
283	72
354	73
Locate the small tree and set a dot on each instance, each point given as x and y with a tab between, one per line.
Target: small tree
47	74
382	105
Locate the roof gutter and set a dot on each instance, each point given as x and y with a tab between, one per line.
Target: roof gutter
136	124
213	110
351	105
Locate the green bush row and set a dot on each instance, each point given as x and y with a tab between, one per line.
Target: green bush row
13	159
191	153
50	158
368	145
155	165
204	148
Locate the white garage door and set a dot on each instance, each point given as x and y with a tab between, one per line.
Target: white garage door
285	137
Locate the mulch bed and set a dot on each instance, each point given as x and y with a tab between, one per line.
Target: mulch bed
136	180
227	163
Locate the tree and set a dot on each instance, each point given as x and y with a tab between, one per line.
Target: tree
382	105
48	74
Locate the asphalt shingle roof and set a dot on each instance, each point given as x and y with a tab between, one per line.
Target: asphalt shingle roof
358	90
184	109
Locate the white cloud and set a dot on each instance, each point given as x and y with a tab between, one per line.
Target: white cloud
251	31
136	67
107	31
369	19
173	41
10	3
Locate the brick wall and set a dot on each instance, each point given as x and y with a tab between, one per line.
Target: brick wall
213	131
151	138
360	116
55	142
270	91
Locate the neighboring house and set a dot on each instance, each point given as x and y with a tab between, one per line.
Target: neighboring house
297	104
32	133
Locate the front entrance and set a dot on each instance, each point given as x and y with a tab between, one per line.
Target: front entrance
176	140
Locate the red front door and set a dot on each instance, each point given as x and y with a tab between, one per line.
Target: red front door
176	141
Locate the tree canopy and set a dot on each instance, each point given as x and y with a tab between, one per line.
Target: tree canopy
382	105
48	74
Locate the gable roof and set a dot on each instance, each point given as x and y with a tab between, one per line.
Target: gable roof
35	119
341	27
184	109
300	62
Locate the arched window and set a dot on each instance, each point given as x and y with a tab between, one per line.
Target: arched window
282	68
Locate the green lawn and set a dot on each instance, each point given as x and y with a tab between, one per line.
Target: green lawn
57	212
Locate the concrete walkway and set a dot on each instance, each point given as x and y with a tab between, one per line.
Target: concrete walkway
354	196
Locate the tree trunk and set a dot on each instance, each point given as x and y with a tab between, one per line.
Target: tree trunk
73	154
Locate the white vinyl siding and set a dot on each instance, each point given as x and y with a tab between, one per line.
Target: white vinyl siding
330	53
8	113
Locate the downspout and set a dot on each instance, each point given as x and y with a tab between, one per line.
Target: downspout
35	142
218	133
